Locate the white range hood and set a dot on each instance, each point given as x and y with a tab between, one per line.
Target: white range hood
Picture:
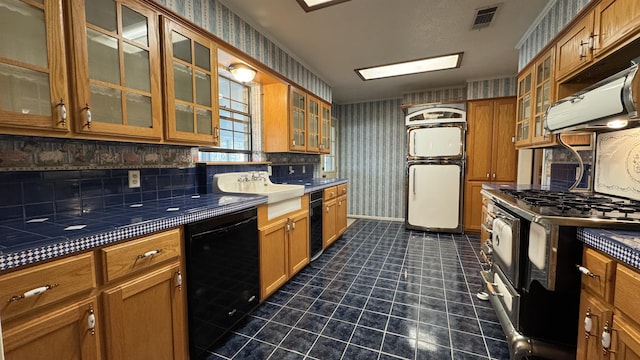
609	104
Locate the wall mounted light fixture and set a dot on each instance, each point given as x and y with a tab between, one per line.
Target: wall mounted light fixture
242	72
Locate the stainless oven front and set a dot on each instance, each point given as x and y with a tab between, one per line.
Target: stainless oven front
504	245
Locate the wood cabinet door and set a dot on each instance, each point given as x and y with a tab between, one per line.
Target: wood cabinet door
144	318
325	128
341	215
273	257
479	139
472	206
116	69
572	50
60	334
191	86
616	21
525	108
329	234
298	120
627	346
593	313
543	97
298	242
34	82
313	125
504	158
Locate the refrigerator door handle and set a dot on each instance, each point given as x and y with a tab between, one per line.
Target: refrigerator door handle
414	181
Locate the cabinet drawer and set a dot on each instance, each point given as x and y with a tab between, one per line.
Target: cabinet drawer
627	290
32	288
131	256
330	193
342	189
603	268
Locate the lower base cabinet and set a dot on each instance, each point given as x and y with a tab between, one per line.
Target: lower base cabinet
136	312
284	246
144	318
59	334
334	219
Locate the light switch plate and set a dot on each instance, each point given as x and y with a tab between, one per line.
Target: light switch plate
134	178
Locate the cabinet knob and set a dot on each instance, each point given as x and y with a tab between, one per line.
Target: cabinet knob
487	175
179	280
588	323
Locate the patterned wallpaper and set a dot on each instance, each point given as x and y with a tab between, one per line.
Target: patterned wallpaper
371	153
492	88
558	15
220	21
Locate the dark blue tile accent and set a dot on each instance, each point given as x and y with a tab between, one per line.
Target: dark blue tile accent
312	322
326	348
113	186
339	330
91	188
72	207
95	174
11	194
282	354
468	342
60	175
299	340
399	346
11	212
273	333
65	190
38	210
164	182
231	345
366	337
92	204
256	350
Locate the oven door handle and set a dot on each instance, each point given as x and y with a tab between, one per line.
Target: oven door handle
492	291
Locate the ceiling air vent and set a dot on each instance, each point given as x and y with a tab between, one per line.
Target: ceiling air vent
484	16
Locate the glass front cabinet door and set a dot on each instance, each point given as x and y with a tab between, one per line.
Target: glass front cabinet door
544	95
524	109
313	144
33	81
298	120
190	85
116	69
325	128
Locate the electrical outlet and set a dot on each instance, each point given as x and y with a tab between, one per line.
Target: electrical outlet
304	169
134	178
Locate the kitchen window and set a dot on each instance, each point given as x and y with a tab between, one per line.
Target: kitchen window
235	123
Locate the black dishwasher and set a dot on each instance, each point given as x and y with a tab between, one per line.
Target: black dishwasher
223	276
315	221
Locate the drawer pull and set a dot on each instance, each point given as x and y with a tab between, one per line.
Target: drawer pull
606	339
251	298
233	312
91	320
33	292
586	271
149	253
588	324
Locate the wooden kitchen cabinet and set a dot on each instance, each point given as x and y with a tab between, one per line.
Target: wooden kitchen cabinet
34	67
284	246
608	302
491	153
617	22
190	85
144	318
334	220
341	210
573	51
115	70
536	92
313	124
325	128
294	121
59	334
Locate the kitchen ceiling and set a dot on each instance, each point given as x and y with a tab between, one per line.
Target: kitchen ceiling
334	41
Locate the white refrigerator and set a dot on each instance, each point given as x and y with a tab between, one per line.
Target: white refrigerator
435	169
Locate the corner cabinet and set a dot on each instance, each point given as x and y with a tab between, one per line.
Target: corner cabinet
608	327
284	246
190	85
536	92
34	69
491	153
295	121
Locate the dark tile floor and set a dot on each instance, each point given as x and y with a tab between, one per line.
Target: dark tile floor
380	292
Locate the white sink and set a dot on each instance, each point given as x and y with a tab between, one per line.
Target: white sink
281	198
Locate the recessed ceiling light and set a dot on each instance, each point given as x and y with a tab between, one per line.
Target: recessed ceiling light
442	62
310	5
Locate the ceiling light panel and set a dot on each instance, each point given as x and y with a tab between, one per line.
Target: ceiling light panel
443	62
310	5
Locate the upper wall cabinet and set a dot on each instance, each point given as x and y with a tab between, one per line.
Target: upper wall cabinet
294	120
190	84
325	128
116	69
605	28
33	81
536	92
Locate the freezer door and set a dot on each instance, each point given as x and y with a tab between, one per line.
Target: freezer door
433	197
436	142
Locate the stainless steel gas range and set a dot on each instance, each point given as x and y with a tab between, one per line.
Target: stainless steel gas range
532	255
